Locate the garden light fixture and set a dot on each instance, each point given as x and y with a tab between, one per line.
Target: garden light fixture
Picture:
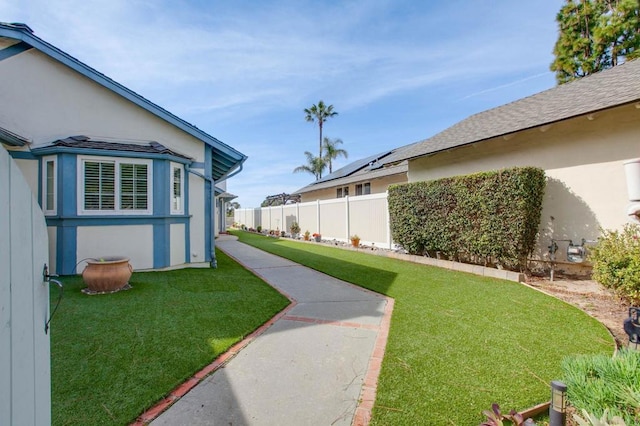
558	407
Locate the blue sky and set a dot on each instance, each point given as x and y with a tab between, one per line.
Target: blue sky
243	71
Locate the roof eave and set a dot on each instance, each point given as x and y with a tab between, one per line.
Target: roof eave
9	138
25	35
542	124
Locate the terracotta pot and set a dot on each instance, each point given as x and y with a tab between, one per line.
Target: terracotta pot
107	274
355	242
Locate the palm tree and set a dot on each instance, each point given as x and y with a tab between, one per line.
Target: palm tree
315	165
331	151
319	113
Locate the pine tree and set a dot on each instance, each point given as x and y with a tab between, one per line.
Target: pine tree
595	35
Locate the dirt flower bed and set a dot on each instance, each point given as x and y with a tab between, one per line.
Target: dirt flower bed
591	297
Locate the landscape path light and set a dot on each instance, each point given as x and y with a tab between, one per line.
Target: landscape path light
558	407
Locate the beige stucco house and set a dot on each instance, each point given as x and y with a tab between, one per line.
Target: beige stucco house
581	133
114	173
370	175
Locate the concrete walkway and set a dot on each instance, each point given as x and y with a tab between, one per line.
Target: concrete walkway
316	363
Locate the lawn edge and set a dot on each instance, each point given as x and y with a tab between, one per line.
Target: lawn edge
366	400
181	390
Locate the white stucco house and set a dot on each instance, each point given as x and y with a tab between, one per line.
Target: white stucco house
580	133
114	173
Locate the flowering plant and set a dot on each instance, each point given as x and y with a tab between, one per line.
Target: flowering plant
316	235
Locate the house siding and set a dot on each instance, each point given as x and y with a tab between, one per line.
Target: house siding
378	186
582	157
52	101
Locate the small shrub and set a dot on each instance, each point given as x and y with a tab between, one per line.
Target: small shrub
259	228
603	385
294	228
616	261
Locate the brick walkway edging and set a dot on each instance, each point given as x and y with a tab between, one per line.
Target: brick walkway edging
363	412
153	412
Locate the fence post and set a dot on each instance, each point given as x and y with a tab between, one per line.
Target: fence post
284	225
318	216
386	205
347	217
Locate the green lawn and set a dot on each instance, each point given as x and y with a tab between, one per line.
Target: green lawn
114	355
458	342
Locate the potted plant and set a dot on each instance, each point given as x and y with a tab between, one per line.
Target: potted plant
317	236
307	235
355	240
295	230
107	274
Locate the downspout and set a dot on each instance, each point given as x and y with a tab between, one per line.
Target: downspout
213	263
222	179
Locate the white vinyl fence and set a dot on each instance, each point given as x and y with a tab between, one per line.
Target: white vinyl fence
25	391
366	216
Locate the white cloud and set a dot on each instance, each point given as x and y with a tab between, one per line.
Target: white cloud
240	67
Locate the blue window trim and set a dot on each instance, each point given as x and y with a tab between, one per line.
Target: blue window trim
50	150
67	220
22	155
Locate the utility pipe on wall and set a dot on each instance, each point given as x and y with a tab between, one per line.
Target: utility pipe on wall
213	263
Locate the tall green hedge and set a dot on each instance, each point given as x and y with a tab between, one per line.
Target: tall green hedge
484	218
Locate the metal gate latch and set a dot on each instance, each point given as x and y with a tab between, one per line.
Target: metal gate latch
46	277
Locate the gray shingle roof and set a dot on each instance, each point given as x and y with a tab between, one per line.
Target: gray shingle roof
610	88
362	175
85	142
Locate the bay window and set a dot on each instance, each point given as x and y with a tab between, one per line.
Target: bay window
114	186
49	185
177	188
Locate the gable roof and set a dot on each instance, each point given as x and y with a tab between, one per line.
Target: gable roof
614	87
228	158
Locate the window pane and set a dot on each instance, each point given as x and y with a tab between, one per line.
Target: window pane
339	193
99	178
49	203
367	188
359	189
133	186
346	191
177	189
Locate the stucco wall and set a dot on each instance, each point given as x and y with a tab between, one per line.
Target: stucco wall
29	169
96	241
177	243
378	186
583	159
62	103
51	101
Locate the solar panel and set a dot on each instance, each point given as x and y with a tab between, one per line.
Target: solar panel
353	167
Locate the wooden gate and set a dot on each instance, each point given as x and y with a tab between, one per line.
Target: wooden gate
25	383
